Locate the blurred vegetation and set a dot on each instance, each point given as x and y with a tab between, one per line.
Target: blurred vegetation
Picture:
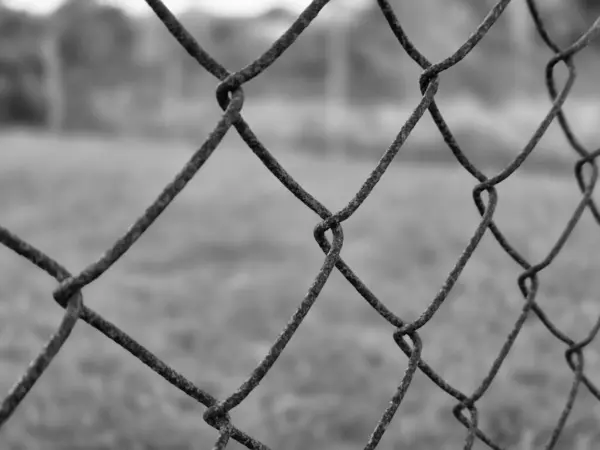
125	74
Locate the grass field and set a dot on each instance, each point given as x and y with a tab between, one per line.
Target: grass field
214	280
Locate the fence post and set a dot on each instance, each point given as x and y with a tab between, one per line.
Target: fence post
53	77
520	30
336	88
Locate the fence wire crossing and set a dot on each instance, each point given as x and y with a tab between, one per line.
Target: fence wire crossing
230	97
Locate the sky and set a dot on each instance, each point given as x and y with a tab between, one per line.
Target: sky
227	7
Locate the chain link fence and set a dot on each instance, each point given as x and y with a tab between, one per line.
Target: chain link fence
230	96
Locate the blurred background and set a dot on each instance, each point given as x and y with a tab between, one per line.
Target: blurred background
344	86
99	109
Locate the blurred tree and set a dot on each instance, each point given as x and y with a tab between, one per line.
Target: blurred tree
95	48
21	101
589	11
381	67
81	47
234	41
590	7
97	40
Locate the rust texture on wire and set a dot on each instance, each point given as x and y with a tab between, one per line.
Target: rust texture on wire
230	97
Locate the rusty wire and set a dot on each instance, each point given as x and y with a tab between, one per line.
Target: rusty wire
230	97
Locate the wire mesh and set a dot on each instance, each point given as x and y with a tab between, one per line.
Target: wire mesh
230	97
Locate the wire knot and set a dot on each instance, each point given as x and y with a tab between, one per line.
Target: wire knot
216	417
226	89
64	291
